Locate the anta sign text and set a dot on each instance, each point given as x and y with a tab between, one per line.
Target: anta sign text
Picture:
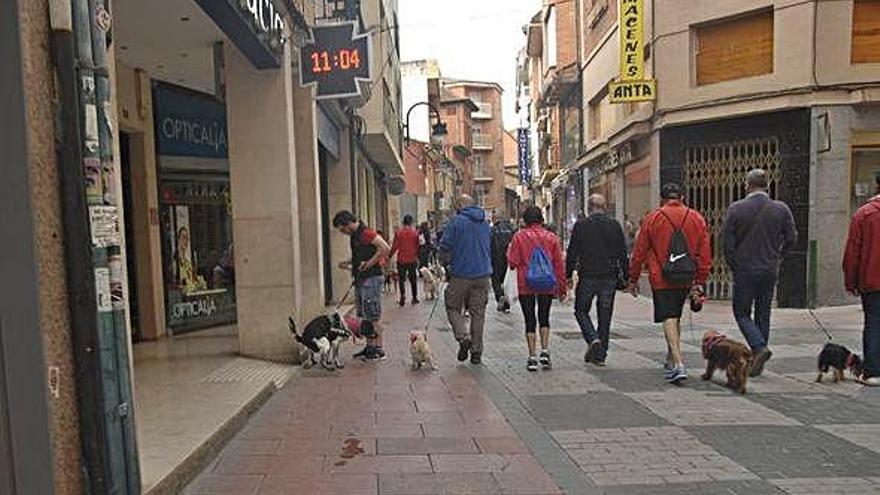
632	86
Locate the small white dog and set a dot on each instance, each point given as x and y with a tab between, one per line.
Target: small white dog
420	350
430	283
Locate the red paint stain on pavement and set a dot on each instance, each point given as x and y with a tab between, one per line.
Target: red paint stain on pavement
351	448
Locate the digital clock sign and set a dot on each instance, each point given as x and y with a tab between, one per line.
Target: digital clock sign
336	60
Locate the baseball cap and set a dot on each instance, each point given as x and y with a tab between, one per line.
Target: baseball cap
670	190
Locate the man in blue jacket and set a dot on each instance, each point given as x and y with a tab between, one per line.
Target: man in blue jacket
466	245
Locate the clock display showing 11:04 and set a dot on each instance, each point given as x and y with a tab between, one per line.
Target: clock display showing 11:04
324	61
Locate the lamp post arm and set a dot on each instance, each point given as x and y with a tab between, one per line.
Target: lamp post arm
427	104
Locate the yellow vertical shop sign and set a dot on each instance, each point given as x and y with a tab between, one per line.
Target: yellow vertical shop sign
632	60
632	85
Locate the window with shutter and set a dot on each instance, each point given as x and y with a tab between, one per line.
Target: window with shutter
734	49
866	32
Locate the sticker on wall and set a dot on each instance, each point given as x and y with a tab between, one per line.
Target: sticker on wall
102	288
117	296
104	222
94	180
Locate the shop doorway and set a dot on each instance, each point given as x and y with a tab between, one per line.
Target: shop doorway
131	251
324	218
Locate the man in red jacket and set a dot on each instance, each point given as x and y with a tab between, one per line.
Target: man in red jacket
861	269
655	246
406	246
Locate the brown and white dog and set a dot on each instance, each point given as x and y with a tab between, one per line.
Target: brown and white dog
430	283
420	351
733	357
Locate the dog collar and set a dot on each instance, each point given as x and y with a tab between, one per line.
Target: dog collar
712	342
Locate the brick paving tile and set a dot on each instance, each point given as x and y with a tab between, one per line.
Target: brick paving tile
828	486
426	446
400	430
867	436
439	484
501	445
444	417
483	463
320	483
253	447
379	464
327	446
231	464
686	407
219	484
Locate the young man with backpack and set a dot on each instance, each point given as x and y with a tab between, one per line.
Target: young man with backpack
758	231
502	234
861	268
536	255
674	243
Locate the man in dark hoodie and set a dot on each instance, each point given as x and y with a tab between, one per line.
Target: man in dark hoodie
502	234
466	245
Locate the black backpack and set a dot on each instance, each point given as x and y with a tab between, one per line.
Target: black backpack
679	267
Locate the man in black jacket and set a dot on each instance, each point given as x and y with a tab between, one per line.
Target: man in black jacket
758	231
502	234
597	251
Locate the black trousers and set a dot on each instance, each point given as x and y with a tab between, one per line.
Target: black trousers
528	303
408	271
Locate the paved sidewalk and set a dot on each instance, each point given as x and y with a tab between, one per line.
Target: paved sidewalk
379	428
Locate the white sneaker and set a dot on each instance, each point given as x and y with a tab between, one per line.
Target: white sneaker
873	381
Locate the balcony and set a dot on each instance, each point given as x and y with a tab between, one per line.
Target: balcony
483	142
484	112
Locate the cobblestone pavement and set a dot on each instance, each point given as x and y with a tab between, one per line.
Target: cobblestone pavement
576	429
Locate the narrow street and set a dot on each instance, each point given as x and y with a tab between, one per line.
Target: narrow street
380	428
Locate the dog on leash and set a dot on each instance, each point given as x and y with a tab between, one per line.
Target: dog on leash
420	351
838	358
322	338
430	282
733	357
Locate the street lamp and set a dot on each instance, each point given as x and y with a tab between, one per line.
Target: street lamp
438	130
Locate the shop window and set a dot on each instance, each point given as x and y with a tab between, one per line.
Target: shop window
478	166
866	32
866	166
735	48
550	37
571	128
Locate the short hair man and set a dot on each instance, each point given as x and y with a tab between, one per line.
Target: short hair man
758	231
502	234
861	268
368	250
406	246
466	244
653	246
597	251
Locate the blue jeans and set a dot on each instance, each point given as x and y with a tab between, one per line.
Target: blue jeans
871	335
753	290
369	298
603	290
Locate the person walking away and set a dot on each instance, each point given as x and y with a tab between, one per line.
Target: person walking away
674	243
861	268
426	245
758	231
597	251
368	250
406	247
535	249
502	234
465	247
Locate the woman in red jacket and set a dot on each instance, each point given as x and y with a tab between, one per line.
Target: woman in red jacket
519	255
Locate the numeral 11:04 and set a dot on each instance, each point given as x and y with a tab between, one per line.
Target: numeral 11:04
344	59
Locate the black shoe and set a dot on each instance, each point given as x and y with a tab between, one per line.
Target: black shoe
375	354
415	301
592	350
759	361
361	353
401	303
464	348
476	358
532	364
544	359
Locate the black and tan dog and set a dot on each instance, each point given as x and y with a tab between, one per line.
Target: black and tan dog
733	357
840	359
322	338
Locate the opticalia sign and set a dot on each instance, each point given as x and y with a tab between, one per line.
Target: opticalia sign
633	86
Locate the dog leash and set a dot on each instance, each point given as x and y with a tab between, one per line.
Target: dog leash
820	325
434	307
345	296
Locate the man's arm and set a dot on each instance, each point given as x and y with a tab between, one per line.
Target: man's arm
395	245
572	256
444	246
852	254
729	239
620	243
789	232
640	252
382	250
704	255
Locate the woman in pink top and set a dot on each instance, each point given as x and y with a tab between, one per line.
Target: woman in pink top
519	255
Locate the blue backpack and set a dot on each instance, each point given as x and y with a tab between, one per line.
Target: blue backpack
540	276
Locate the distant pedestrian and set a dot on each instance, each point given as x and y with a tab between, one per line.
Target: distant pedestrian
597	252
406	247
426	244
861	268
368	251
465	245
502	235
674	242
532	247
758	231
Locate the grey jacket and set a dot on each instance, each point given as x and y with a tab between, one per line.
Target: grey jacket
758	232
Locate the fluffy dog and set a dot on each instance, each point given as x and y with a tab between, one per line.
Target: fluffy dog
391	279
839	358
420	351
430	282
733	357
322	338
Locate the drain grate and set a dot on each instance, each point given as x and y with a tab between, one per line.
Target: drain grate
249	370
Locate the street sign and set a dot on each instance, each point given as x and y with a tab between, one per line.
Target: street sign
627	91
522	145
632	86
336	60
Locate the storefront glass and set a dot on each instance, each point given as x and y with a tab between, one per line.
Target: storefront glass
195	209
637	197
866	166
606	185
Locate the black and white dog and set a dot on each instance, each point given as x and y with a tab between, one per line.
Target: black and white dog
322	338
